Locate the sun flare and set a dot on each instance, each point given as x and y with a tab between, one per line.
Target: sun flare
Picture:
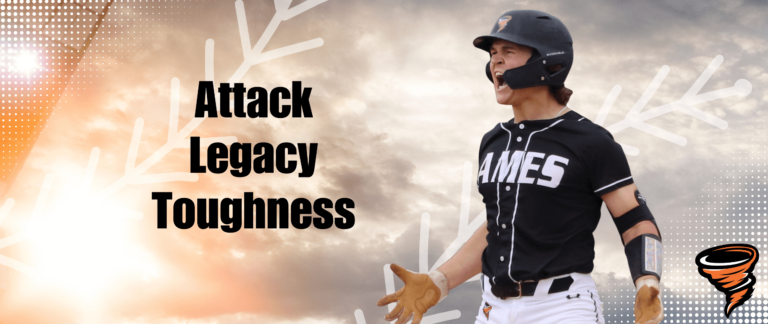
83	249
26	62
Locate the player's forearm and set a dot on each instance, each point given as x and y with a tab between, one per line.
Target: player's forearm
644	227
467	261
643	278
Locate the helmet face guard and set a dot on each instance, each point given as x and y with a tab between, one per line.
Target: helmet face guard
546	35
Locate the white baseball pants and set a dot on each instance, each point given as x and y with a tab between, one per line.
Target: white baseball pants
580	304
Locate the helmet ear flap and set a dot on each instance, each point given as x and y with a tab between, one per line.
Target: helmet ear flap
488	71
558	72
534	55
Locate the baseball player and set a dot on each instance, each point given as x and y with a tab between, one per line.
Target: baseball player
543	176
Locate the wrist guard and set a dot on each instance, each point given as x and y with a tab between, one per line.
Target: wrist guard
441	282
644	255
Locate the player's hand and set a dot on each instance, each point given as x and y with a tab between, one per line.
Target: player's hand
419	294
648	307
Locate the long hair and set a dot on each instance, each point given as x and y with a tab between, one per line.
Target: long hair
560	93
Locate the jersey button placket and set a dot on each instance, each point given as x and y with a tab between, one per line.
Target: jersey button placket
508	191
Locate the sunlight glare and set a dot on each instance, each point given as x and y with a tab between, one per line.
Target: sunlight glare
26	62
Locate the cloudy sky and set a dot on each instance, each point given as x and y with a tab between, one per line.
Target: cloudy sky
400	103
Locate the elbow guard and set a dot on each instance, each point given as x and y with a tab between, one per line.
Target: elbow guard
644	255
632	217
636	215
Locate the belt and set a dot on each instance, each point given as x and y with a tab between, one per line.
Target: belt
528	288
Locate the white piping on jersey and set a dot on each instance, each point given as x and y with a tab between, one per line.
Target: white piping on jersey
498	208
613	183
510	135
581	118
517	194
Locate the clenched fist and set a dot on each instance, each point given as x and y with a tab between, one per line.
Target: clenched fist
421	292
648	307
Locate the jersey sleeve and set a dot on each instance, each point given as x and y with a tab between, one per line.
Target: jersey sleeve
607	165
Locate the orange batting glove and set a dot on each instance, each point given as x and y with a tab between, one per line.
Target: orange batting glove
648	307
421	292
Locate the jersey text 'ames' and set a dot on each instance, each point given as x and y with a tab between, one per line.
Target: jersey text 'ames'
523	167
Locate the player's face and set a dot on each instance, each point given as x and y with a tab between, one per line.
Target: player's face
506	55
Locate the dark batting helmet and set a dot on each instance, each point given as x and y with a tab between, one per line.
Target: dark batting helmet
546	35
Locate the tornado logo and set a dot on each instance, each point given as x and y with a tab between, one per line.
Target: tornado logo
503	22
729	268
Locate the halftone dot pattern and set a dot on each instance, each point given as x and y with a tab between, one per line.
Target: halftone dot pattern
732	208
42	44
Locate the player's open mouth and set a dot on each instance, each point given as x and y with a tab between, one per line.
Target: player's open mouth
500	84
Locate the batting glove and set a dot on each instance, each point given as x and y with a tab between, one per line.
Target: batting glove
648	307
421	291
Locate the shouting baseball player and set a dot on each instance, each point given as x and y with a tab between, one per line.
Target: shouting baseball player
544	176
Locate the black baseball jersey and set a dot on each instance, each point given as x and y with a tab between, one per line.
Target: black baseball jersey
541	182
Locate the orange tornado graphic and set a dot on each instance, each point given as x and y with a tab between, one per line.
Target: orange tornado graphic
729	268
503	22
487	310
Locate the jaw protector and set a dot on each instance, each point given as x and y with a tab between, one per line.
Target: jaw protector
545	34
534	73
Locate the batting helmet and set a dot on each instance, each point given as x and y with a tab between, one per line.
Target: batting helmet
546	35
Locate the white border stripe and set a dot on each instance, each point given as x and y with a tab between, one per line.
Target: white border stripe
514	212
627	178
